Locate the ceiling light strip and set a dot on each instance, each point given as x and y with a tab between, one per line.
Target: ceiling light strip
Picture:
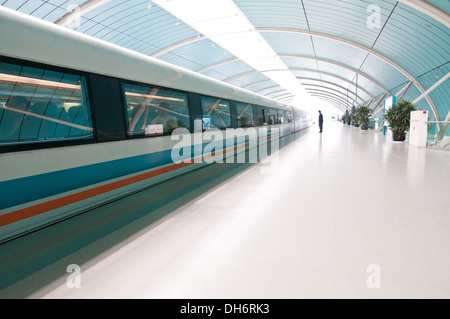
225	24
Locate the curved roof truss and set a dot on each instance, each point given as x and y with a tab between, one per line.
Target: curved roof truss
362	47
188	41
337	95
337	101
333	84
312	88
339	104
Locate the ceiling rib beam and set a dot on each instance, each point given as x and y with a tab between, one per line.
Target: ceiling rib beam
218	64
327	82
287	99
285	94
337	77
334	84
370	102
361	47
316	71
431	89
334	102
337	96
400	94
310	70
430	10
274	92
267	88
79	11
318	80
237	76
343	100
335	92
177	45
330	97
254	83
378	103
338	64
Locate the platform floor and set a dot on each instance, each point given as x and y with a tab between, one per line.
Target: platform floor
345	214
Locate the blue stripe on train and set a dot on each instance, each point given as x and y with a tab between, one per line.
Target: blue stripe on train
27	189
24	190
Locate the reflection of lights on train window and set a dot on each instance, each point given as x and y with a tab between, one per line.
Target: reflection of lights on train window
154	97
25	81
68	105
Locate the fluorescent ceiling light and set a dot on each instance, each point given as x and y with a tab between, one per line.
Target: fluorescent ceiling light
225	24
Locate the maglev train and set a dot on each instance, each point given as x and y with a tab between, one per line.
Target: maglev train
83	122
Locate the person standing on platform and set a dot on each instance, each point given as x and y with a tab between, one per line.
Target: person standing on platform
320	121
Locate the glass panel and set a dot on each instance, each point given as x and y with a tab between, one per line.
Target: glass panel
154	111
272	116
39	106
217	111
260	116
282	117
300	116
290	117
245	115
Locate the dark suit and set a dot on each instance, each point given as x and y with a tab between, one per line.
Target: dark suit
320	122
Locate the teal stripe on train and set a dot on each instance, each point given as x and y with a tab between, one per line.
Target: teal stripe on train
27	189
24	190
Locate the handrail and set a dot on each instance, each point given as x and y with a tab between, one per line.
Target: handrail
440	139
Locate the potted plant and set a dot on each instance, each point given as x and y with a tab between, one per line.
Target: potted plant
399	118
356	117
349	119
364	114
344	119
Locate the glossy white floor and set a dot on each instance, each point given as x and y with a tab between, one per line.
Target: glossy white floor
347	214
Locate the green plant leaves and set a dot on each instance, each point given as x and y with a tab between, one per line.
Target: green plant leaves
399	116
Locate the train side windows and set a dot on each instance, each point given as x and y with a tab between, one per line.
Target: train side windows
154	111
260	116
290	115
272	116
34	102
216	113
282	119
245	116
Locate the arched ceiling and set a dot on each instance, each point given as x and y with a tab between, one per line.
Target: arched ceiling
343	52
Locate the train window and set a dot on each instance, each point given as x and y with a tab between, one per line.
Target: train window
282	117
300	116
260	116
38	106
245	115
154	111
272	116
216	112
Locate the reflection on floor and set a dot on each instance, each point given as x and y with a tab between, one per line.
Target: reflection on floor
343	214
